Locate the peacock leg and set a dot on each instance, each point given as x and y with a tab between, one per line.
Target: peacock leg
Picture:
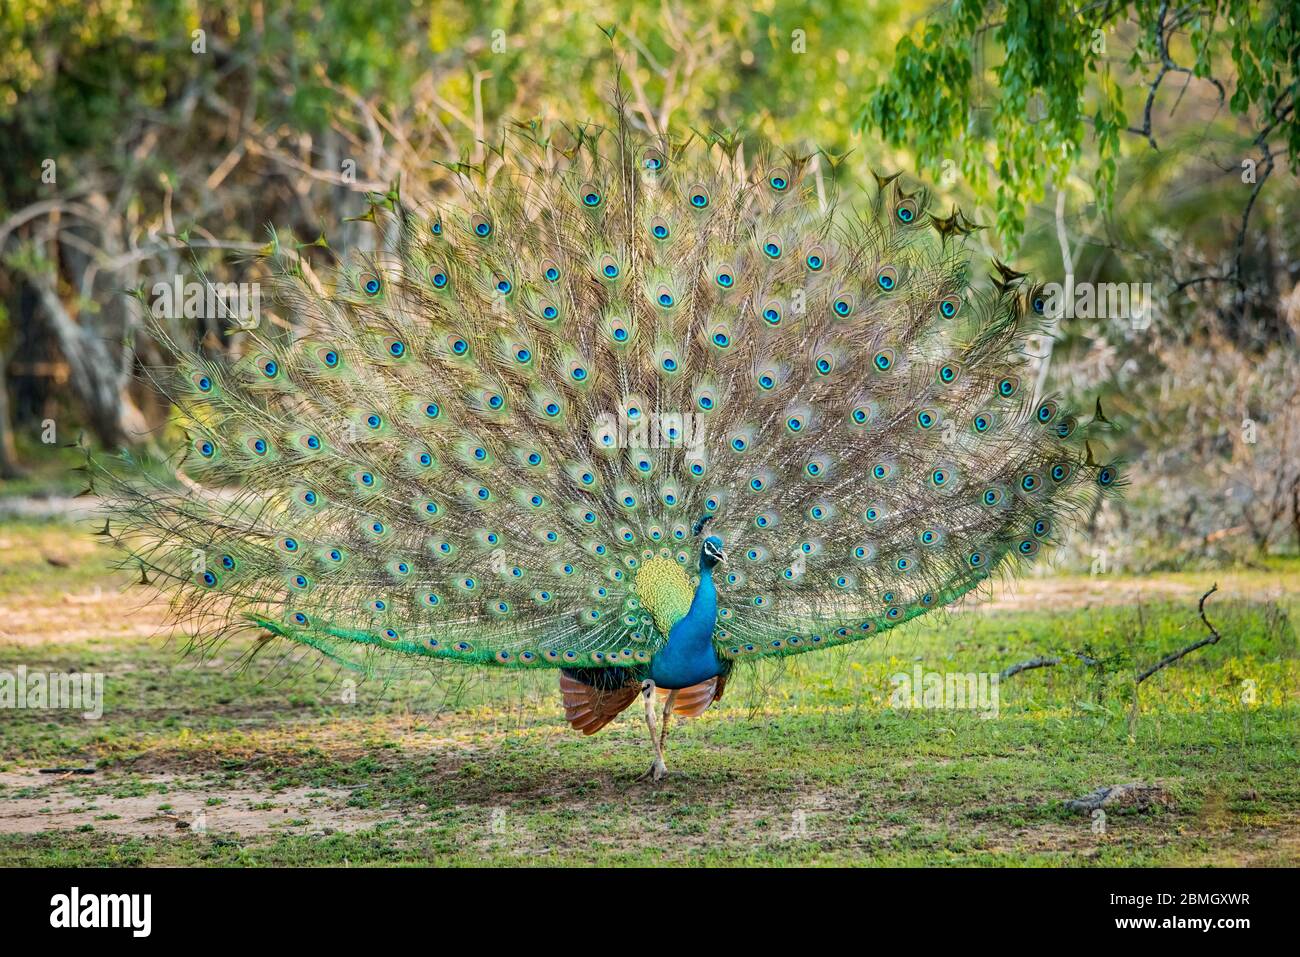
668	713
658	769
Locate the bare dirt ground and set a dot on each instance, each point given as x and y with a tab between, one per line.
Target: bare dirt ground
59	802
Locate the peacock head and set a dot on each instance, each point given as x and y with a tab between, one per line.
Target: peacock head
711	553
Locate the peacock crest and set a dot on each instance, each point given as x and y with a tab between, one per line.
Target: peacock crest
491	439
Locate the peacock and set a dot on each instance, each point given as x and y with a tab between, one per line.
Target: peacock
632	408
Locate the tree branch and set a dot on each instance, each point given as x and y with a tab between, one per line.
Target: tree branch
1168	660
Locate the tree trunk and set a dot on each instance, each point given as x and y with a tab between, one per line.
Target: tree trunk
9	467
97	376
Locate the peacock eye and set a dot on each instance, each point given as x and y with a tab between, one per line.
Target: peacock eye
371	284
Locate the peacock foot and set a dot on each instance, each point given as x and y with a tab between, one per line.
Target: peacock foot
656	772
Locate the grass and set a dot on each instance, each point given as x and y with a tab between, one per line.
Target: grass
225	760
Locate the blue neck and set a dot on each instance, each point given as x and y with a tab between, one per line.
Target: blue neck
704	606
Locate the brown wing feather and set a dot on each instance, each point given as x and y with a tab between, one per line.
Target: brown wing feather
694	701
589	709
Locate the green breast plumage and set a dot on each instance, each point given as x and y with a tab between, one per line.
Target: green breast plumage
665	591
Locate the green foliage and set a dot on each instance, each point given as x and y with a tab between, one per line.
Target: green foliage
1053	80
75	79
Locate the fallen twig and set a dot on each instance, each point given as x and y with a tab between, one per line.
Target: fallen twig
1168	660
1042	662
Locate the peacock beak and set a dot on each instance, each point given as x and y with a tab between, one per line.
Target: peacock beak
722	557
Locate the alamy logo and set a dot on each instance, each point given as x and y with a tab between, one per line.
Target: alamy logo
103	910
956	691
179	299
650	430
1130	301
80	691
